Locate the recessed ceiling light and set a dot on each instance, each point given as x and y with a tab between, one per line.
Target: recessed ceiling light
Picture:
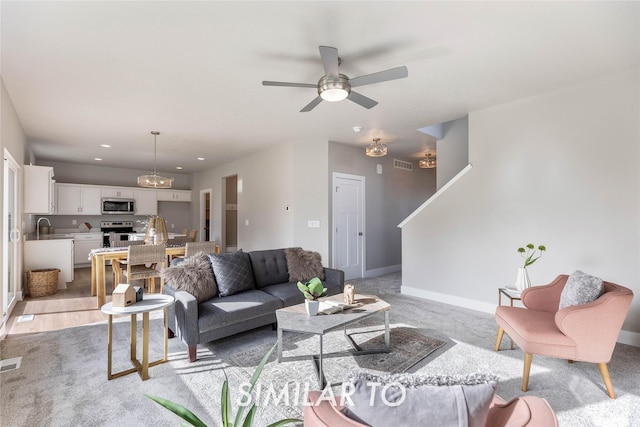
105	145
200	158
178	167
357	128
97	158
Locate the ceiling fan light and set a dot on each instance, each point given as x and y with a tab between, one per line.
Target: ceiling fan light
375	149
334	89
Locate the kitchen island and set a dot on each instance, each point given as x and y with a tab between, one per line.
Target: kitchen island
52	252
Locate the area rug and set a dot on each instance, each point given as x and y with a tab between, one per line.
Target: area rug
285	384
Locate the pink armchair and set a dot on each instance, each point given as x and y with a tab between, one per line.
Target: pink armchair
586	332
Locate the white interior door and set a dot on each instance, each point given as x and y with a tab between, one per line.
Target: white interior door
348	225
10	216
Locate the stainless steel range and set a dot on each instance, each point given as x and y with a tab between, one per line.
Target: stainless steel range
121	227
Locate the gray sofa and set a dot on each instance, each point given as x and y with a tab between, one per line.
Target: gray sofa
222	316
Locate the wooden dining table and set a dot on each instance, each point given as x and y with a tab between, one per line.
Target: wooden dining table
99	258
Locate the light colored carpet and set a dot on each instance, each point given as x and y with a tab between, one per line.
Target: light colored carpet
63	378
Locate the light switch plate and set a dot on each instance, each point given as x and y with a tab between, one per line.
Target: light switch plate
313	224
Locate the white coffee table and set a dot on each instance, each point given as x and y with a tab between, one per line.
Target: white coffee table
150	302
295	319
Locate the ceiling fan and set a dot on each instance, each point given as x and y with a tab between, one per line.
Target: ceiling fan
334	86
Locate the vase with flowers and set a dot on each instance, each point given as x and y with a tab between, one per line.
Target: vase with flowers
530	254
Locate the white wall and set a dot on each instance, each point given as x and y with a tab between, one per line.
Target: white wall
452	150
290	174
559	169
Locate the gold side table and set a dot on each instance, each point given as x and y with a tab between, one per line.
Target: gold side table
512	295
150	302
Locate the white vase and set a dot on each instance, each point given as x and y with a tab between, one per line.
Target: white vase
522	280
312	307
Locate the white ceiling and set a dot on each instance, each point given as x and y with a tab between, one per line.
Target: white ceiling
81	74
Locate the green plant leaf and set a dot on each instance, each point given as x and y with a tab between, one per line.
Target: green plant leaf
285	422
248	421
179	410
253	381
225	402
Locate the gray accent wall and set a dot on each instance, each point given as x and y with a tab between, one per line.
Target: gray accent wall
389	198
560	169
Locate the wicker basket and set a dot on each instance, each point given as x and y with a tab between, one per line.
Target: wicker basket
43	282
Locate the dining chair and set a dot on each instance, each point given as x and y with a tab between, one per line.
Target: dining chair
142	261
193	248
117	264
185	231
193	235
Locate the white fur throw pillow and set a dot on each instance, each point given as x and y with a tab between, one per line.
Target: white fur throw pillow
194	275
303	265
580	289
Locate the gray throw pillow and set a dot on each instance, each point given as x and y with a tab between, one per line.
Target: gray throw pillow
419	400
580	288
194	275
303	265
232	272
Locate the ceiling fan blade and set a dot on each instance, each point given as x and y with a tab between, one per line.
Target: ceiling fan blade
362	100
380	76
268	83
310	106
329	57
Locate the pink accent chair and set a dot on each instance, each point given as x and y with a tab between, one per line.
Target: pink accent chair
530	411
586	332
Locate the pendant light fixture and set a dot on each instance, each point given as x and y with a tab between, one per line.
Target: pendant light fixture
154	180
428	162
375	149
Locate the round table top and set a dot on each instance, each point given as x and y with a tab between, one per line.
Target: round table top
150	302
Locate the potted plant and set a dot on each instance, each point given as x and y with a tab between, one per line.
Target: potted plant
312	290
227	412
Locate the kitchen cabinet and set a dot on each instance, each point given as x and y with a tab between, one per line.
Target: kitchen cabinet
84	243
74	199
174	195
53	253
38	189
146	202
117	193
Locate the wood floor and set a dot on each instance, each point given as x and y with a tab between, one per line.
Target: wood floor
69	307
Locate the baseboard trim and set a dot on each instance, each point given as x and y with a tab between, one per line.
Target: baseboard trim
625	337
382	271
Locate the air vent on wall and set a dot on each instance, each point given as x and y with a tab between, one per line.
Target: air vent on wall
408	166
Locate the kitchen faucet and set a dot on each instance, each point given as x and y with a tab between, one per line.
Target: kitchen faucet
38	226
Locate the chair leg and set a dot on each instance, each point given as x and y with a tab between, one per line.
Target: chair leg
528	357
604	371
193	352
499	338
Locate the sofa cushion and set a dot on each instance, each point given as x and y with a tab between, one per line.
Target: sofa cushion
194	275
410	399
288	293
269	267
220	312
303	265
580	288
232	272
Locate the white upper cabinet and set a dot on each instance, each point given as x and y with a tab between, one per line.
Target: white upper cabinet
117	193
146	202
38	189
74	199
174	195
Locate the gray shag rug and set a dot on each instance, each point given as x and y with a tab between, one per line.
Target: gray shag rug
63	379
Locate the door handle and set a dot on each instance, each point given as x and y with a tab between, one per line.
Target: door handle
360	233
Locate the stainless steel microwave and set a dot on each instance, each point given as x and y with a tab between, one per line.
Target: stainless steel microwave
118	206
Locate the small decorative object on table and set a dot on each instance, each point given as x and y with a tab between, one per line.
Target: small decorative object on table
124	295
349	294
530	255
312	290
138	290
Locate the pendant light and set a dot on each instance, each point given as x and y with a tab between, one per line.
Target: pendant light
428	162
154	180
375	149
